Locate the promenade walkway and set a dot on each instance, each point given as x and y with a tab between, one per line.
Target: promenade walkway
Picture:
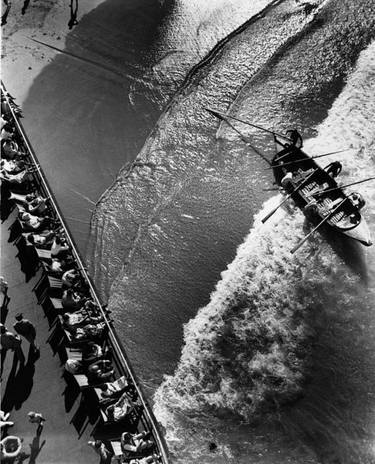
38	385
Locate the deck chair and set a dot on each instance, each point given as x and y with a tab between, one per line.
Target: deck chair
117	450
43	254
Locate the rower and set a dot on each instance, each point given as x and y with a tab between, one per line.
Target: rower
295	137
287	180
334	169
357	200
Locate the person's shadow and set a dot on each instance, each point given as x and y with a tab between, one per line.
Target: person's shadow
25	6
36	446
19	384
73	14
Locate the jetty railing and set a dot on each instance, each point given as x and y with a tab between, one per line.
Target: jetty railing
147	418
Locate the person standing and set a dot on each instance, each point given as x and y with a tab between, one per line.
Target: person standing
9	341
25	328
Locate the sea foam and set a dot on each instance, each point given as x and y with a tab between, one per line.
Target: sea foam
251	348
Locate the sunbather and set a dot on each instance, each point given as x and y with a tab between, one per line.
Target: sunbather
136	443
59	248
44	238
20	178
121	409
113	390
70	278
71	301
31	222
100	371
13	166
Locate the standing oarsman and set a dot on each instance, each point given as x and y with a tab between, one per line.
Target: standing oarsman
334	168
295	137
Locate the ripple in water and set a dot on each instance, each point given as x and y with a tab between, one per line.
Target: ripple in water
282	327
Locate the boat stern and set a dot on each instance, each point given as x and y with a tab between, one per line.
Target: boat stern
361	233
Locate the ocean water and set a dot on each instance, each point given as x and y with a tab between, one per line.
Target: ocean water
277	363
89	117
279	327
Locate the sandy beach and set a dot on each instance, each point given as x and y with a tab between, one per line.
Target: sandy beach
21	58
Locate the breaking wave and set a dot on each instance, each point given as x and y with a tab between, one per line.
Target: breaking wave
281	327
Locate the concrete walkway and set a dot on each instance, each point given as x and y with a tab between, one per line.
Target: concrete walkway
38	386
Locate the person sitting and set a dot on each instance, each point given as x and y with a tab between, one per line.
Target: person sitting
3	122
112	390
70	278
92	352
9	150
59	248
34	223
357	200
59	266
100	371
44	239
73	320
136	443
70	301
37	205
89	332
13	166
121	409
19	178
7	132
287	180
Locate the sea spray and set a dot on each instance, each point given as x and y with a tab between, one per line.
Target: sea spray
279	325
246	350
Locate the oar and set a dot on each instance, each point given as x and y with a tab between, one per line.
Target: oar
323	192
222	116
243	138
294	249
306	159
289	195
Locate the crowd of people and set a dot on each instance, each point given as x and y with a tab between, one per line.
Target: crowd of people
79	316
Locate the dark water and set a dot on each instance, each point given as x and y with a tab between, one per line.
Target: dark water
306	321
87	121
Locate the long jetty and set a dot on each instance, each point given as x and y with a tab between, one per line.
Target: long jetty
146	420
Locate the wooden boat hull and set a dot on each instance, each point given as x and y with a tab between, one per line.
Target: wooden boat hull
307	183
